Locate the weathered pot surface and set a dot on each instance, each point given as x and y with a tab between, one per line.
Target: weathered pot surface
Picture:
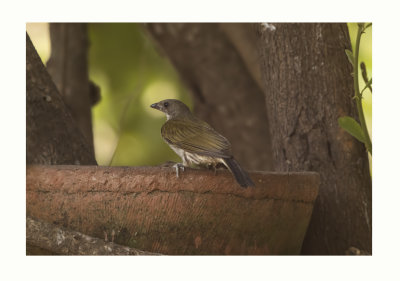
198	213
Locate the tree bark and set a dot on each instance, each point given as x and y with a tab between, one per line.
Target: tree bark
224	91
52	136
58	240
68	66
308	86
244	37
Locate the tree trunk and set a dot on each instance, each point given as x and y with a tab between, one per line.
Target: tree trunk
308	86
225	93
52	136
68	66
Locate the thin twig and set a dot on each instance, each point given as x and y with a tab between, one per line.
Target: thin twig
357	95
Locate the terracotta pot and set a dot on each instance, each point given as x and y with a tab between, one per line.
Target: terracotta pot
199	213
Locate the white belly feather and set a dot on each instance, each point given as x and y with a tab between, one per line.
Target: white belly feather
190	158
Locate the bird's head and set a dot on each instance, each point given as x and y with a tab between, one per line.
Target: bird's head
172	108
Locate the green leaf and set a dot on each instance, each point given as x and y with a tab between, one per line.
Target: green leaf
350	56
352	127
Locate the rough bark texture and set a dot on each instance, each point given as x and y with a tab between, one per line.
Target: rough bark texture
197	213
68	66
308	86
52	136
245	39
57	240
224	91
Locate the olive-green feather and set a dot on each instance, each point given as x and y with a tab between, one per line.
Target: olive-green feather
195	136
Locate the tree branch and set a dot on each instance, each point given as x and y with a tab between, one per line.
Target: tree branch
61	241
52	136
68	66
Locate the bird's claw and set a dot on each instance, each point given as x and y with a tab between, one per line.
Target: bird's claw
178	166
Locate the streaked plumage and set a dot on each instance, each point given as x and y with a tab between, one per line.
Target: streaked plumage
195	141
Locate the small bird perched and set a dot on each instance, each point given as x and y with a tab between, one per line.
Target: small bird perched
196	142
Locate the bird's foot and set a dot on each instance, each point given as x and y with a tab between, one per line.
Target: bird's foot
178	166
214	167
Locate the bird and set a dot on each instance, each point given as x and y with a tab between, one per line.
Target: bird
196	142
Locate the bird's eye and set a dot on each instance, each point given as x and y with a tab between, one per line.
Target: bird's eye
166	104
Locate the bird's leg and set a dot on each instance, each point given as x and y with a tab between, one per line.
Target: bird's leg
112	235
178	166
214	166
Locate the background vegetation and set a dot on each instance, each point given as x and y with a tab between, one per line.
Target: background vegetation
132	74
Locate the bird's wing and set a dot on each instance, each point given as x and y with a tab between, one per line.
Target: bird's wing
195	136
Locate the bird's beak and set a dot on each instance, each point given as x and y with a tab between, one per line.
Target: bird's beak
155	106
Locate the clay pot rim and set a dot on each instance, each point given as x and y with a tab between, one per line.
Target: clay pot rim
291	186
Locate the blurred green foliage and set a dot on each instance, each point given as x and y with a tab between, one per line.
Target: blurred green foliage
133	74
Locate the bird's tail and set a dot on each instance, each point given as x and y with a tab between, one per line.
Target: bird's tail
241	175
